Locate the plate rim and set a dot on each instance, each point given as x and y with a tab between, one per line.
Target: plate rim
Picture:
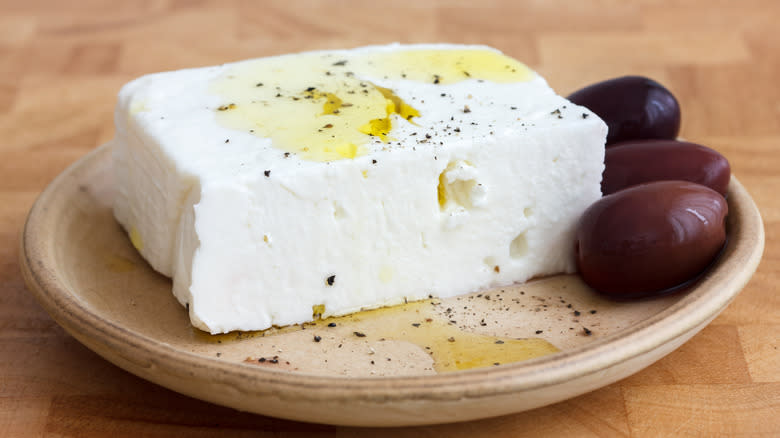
64	307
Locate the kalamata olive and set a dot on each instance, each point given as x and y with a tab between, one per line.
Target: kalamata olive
633	107
641	161
651	238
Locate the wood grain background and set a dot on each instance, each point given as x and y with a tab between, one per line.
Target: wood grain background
62	62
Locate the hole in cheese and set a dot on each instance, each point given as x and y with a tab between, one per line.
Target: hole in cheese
519	246
455	187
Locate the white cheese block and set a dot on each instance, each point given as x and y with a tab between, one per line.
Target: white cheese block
275	189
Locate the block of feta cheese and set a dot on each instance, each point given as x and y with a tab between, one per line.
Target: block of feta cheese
279	189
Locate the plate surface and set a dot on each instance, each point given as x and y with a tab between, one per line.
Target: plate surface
394	371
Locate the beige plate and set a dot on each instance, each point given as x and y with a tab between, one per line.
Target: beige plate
82	269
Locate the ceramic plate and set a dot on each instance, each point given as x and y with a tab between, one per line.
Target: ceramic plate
481	355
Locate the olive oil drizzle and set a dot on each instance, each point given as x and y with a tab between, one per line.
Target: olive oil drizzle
325	109
420	323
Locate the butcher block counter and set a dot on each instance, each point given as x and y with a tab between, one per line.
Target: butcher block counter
62	64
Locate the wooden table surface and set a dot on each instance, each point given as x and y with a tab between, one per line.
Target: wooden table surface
62	63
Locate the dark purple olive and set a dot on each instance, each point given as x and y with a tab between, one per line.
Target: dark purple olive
641	161
634	108
651	238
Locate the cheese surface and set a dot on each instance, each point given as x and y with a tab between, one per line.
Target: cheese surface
278	189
